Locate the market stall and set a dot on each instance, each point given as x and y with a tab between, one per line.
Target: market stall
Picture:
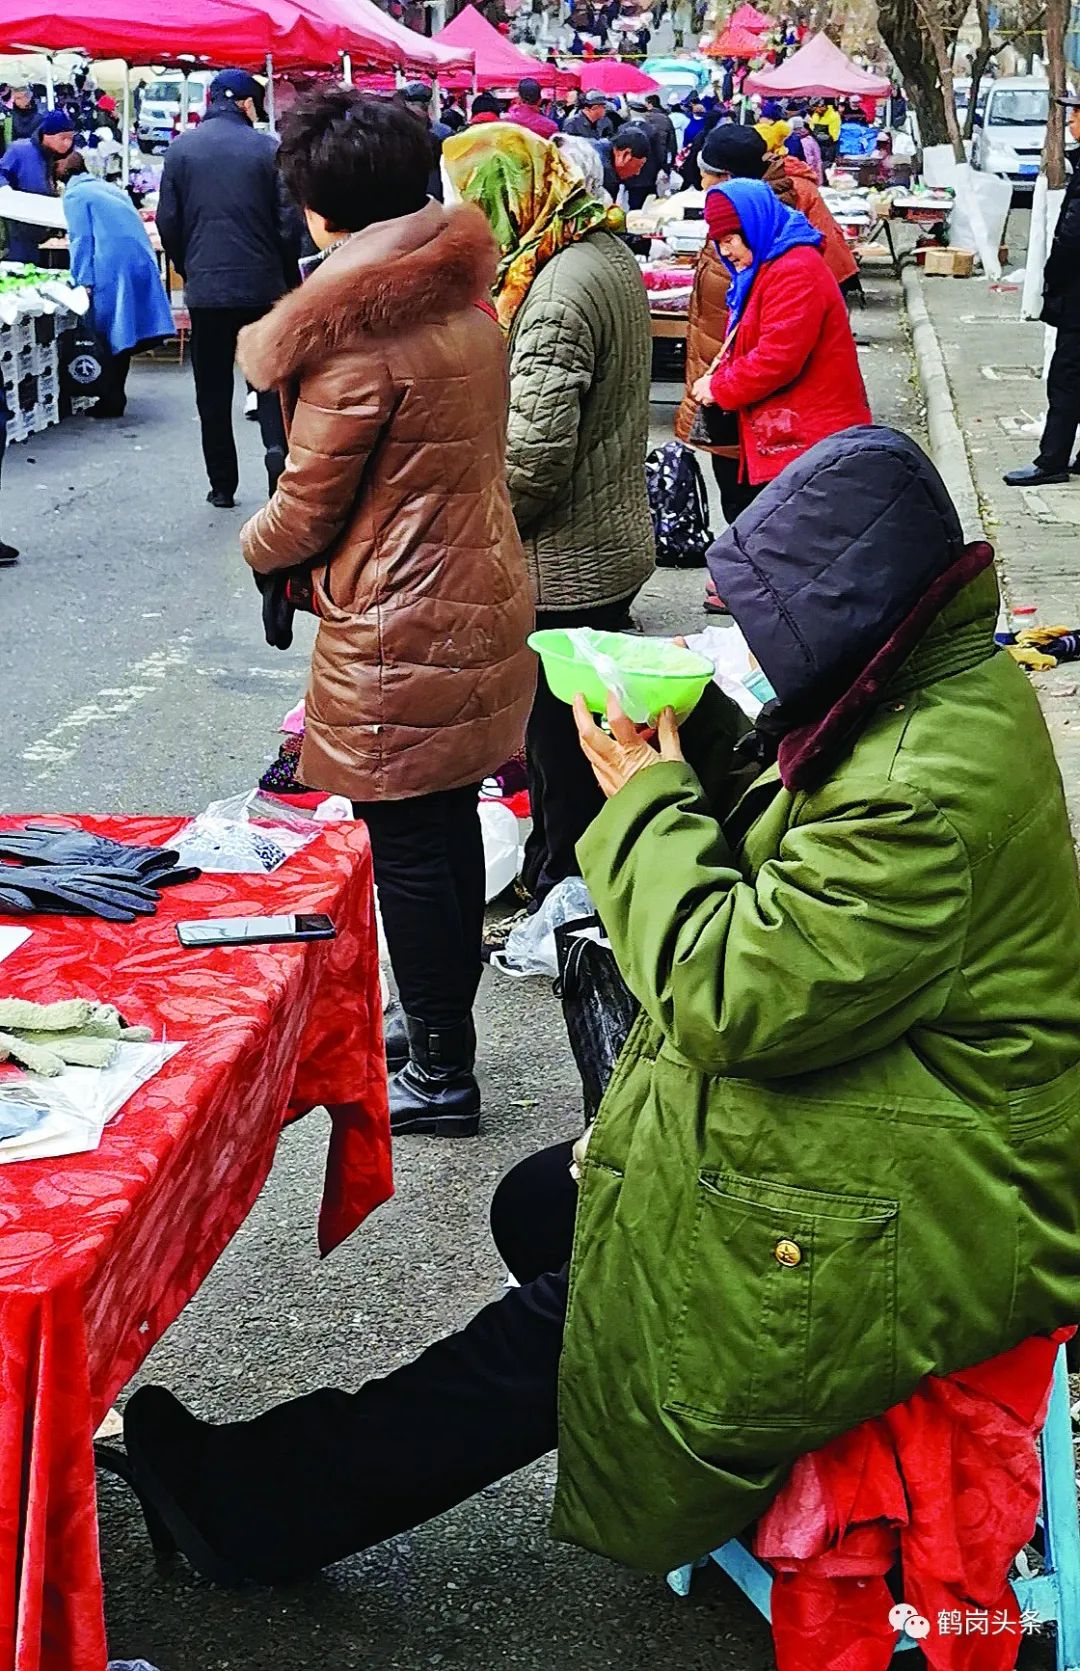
735	42
615	78
817	70
100	1250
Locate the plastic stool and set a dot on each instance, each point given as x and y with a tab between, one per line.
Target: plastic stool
1054	1596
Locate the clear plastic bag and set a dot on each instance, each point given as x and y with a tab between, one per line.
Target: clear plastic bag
530	947
502	847
246	835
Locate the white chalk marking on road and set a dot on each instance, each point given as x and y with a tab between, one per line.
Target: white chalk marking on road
62	743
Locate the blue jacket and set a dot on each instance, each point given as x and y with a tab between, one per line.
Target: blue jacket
111	255
25	167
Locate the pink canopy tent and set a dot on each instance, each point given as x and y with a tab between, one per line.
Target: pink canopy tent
748	17
384	41
498	61
819	69
734	43
611	76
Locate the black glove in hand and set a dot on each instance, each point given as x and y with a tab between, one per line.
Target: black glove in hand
49	844
277	611
115	895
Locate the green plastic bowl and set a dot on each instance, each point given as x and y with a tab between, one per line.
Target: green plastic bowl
646	674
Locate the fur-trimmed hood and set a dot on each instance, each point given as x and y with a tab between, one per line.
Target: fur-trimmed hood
398	273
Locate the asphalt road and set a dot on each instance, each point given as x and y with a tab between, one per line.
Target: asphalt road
134	677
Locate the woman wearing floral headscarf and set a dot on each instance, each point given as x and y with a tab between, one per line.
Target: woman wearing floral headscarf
571	300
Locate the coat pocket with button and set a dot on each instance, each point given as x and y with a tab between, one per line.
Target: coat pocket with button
788	1307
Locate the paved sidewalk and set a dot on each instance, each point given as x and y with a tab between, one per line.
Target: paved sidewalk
993	361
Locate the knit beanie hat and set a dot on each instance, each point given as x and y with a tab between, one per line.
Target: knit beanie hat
56	121
734	150
721	215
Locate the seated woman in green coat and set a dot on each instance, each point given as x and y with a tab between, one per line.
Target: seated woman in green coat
838	1152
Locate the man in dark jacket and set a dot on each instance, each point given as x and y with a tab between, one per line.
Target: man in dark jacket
417	98
1061	307
24	116
28	166
590	120
231	234
659	122
626	158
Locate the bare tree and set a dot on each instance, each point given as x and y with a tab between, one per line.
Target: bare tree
909	28
1053	158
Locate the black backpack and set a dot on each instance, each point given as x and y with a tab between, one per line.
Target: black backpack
679	506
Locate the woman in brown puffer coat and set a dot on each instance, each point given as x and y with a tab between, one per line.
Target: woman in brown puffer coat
394	376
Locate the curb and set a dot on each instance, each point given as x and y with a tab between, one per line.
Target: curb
947	445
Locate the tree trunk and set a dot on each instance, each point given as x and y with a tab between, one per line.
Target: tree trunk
930	18
905	35
1053	159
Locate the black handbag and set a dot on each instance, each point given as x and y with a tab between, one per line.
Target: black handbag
712	426
598	1007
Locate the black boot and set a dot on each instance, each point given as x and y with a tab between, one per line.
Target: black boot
436	1092
395	1036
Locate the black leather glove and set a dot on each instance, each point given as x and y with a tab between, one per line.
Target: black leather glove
277	611
48	844
115	895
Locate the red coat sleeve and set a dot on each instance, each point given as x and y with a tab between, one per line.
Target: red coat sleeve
790	315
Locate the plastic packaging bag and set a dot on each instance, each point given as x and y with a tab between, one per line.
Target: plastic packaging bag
502	847
130	1665
979	215
246	835
530	947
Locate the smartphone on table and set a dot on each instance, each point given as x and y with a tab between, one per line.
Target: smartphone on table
256	931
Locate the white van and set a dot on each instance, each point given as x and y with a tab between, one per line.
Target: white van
1010	130
159	112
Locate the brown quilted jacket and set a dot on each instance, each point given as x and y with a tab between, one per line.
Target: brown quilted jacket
396	390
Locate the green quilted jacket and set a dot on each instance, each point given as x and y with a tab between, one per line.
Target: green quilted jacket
580	358
840	1150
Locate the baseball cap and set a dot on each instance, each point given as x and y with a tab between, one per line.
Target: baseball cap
1070	101
417	92
595	98
234	85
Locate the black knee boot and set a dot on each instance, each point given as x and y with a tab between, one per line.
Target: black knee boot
436	1091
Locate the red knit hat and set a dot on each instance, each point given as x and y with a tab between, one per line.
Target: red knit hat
721	215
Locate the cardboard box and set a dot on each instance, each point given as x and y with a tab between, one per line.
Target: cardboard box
950	263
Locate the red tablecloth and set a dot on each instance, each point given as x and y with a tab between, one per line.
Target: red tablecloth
99	1252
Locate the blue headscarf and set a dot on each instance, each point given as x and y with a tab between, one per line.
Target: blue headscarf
769	229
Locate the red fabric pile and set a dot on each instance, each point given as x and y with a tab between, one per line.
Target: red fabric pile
947	1484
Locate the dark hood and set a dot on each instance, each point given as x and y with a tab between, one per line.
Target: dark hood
832	557
836	574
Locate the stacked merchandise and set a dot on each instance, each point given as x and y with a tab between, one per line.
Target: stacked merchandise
36	309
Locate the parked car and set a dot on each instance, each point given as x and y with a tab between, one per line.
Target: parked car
159	113
1010	131
685	76
962	93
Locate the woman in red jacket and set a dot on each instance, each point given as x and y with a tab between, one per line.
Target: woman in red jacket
788	367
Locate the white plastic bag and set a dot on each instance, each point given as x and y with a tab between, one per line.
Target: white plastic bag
502	847
530	947
130	1665
979	215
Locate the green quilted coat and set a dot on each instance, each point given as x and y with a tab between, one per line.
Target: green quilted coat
841	1149
580	357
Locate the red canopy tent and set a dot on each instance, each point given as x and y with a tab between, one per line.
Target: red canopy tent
498	61
748	17
385	41
208	31
819	69
734	43
612	76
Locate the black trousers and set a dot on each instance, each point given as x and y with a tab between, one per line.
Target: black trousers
1063	394
428	854
565	795
213	352
319	1477
734	494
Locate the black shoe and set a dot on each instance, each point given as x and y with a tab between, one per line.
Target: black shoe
168	1463
220	500
1074	467
436	1092
1033	475
8	555
395	1036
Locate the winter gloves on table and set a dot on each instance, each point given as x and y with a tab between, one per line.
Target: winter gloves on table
71	872
80	1031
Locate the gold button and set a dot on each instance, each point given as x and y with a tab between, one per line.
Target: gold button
787	1253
